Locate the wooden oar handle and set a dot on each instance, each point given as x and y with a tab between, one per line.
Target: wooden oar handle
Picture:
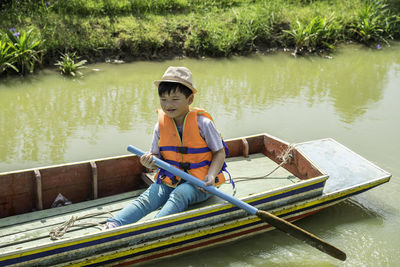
301	234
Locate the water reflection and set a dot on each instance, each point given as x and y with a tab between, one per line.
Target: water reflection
44	117
37	119
352	82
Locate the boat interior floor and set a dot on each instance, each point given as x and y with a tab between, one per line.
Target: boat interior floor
30	230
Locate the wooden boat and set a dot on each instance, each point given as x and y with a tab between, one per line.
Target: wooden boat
306	178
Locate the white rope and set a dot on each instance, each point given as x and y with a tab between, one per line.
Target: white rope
285	157
59	231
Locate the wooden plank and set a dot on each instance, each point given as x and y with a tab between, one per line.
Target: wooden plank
37	233
59	219
236	147
245	148
72	181
297	164
16	193
119	176
39	196
95	187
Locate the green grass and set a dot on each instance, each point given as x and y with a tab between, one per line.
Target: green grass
154	29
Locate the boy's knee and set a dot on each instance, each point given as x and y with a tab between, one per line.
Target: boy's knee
185	192
186	189
178	196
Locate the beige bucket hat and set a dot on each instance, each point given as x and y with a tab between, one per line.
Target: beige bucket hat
180	75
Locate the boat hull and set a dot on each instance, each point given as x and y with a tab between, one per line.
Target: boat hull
170	228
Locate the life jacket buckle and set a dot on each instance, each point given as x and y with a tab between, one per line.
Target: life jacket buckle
182	149
184	166
174	180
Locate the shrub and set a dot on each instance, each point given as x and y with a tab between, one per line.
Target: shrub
318	34
67	64
376	23
7	57
25	47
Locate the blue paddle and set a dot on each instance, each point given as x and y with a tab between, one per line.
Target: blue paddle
267	217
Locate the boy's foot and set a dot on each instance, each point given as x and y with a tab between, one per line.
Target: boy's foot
110	225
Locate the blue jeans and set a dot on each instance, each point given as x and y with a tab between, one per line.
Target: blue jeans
172	200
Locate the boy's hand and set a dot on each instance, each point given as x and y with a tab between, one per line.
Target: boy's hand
216	165
148	162
208	180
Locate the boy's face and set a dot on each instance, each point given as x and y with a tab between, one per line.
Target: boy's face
176	105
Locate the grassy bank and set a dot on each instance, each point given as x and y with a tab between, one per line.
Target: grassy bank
155	29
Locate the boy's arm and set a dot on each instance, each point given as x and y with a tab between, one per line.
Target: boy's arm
216	165
147	159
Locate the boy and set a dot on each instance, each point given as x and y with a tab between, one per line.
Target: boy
184	138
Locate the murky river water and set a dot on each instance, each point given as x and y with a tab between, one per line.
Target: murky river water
48	119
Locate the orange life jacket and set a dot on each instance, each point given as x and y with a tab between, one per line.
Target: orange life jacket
189	153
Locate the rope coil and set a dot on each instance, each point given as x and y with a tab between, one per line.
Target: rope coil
59	231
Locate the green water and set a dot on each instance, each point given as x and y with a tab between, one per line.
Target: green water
48	119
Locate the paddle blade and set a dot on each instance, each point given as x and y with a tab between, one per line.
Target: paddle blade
301	234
